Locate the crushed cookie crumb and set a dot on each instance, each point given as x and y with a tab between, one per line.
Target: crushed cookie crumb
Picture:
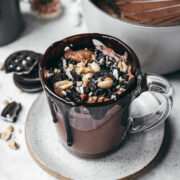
13	145
5	102
1	67
21	92
10	128
90	94
6	135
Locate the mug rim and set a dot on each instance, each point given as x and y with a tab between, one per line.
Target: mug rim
134	85
131	23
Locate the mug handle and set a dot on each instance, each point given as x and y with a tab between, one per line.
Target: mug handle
156	96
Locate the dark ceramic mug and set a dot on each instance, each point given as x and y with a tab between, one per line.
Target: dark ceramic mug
93	130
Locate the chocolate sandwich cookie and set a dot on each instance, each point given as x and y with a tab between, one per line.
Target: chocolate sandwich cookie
29	88
11	111
21	62
28	82
25	65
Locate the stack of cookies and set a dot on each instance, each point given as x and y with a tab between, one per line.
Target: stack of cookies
25	66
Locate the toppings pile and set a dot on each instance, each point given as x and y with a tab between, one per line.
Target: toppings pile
91	75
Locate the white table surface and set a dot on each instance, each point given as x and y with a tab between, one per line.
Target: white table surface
37	36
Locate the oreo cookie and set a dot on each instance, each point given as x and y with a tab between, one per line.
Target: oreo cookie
28	82
21	62
29	88
32	78
25	65
11	111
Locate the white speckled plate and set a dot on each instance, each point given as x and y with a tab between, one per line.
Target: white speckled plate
135	154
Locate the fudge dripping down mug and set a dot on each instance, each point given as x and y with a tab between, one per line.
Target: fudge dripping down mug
92	130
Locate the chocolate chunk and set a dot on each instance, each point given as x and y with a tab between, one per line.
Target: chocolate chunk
92	85
57	77
125	76
22	62
75	75
86	89
11	111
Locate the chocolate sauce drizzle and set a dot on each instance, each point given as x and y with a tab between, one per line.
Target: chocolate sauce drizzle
64	112
52	110
67	127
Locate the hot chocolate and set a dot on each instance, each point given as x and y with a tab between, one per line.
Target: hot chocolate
92	127
92	78
150	12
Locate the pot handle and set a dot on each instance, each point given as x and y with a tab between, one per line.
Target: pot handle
153	105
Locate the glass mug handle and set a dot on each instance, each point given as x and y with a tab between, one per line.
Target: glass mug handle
153	105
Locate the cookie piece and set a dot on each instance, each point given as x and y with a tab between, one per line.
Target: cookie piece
11	111
21	62
30	82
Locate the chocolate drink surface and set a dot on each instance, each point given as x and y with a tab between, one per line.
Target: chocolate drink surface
149	12
90	75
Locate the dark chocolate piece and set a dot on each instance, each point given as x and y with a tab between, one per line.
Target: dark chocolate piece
68	129
22	62
65	117
11	111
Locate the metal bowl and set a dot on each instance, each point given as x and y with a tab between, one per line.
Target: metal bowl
157	47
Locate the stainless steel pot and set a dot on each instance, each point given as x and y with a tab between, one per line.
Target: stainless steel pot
157	47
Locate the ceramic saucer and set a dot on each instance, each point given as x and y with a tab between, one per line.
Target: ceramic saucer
138	152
